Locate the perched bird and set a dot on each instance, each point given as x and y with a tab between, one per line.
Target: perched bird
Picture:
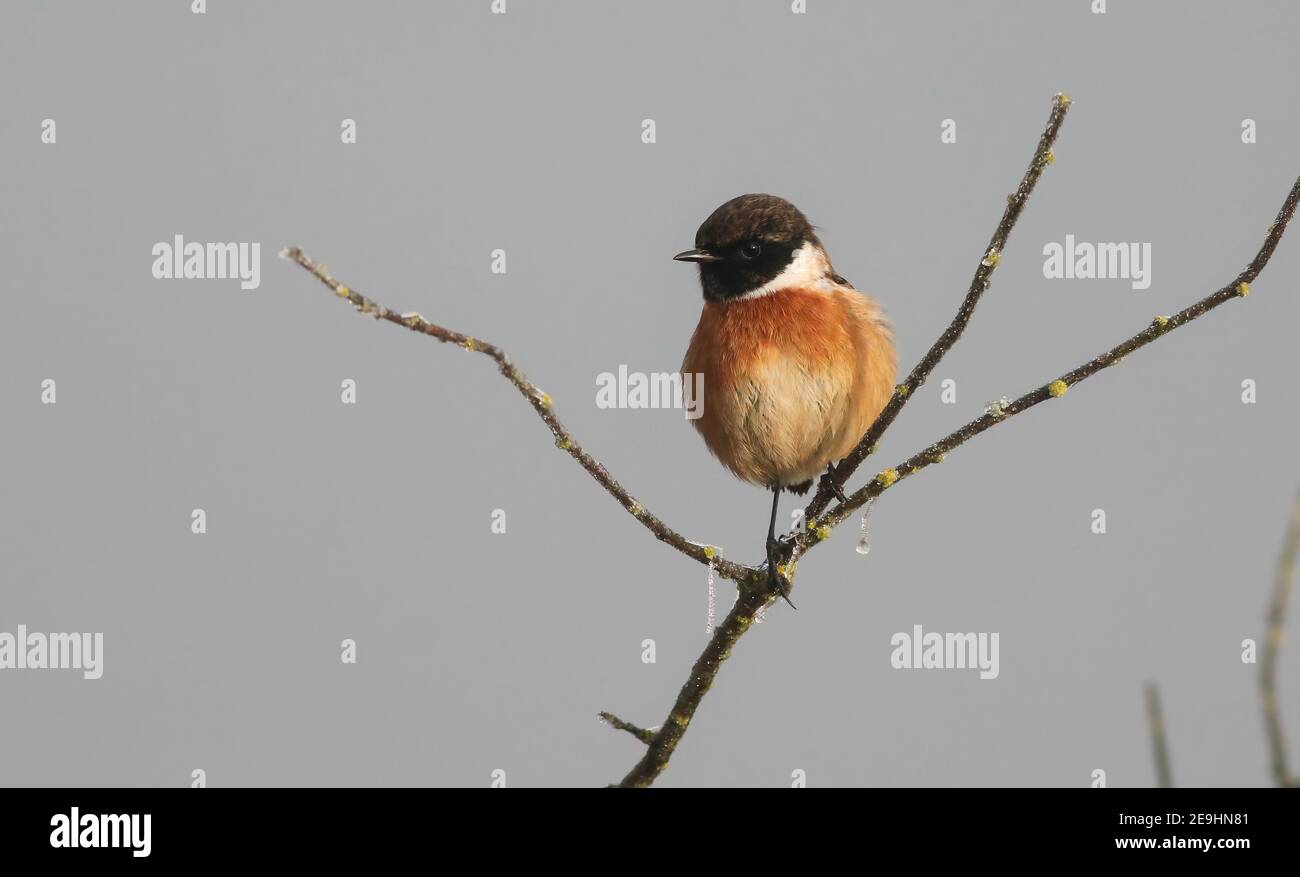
796	362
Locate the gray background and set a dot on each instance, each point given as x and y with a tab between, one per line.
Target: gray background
481	651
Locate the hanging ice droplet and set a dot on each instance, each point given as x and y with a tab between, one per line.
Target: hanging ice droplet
708	628
864	541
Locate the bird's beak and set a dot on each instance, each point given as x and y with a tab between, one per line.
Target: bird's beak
696	256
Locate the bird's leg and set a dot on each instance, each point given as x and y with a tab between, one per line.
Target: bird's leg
829	480
775	551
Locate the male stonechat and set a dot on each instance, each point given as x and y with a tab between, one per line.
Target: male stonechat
797	362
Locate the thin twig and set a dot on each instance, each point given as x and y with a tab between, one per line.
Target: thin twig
1159	742
541	403
1286	566
992	255
645	735
1159	327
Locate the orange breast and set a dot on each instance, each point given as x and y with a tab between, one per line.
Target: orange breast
792	380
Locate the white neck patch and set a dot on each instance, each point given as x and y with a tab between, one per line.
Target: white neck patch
809	269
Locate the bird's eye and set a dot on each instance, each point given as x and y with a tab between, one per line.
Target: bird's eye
751	250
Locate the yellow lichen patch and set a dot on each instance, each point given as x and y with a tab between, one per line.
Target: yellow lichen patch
342	291
1161	321
902	390
991	259
710	552
1243	289
563	443
469	344
1057	388
638	510
1062	99
544	399
938	457
1050	157
823	533
887	477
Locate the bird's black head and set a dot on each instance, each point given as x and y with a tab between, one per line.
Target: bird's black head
747	243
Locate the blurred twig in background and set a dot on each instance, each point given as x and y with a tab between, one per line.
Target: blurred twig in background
1274	620
1286	570
1159	742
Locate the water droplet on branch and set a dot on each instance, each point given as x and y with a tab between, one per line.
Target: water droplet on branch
998	407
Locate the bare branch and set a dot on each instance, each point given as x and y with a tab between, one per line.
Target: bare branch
725	635
542	404
644	735
1286	566
1159	327
1016	201
1159	742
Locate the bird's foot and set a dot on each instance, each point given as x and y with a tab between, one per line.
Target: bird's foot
828	480
779	550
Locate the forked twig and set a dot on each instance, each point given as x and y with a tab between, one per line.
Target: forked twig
754	590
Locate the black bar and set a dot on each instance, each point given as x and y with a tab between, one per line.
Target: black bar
333	826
